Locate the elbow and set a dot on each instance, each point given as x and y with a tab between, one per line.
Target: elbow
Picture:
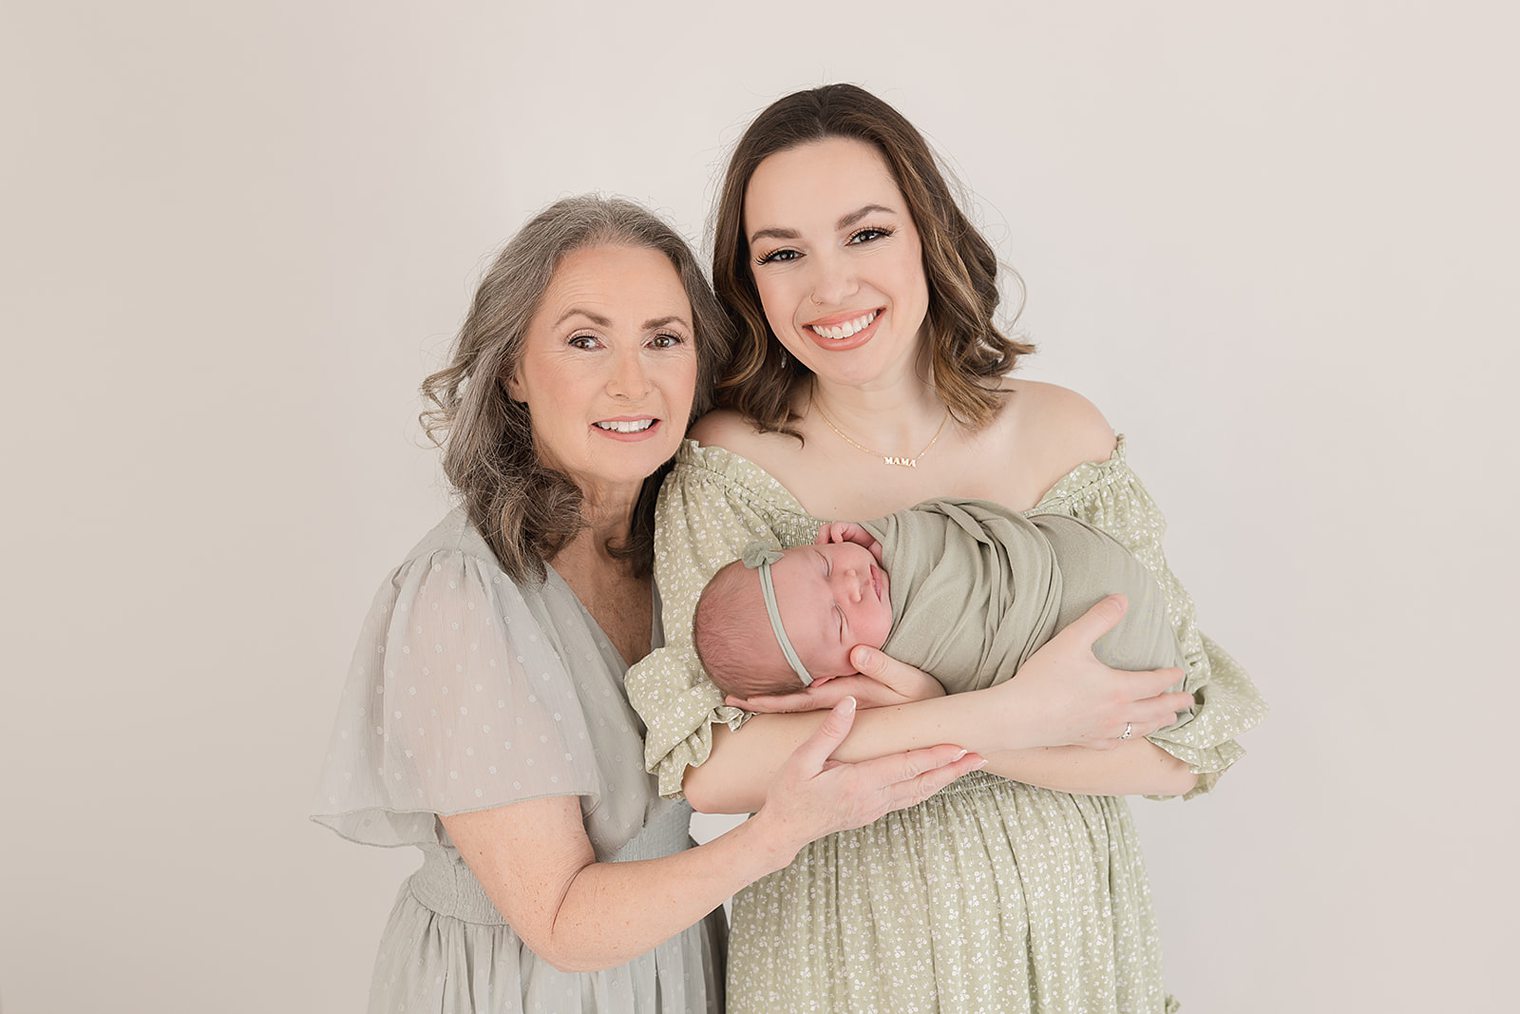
707	793
698	798
572	957
542	944
566	950
1179	779
565	961
700	792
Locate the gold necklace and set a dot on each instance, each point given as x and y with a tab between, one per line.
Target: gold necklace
886	459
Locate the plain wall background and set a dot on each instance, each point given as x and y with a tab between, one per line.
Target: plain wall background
1274	242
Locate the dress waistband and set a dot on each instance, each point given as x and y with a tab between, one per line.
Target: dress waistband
971	781
446	886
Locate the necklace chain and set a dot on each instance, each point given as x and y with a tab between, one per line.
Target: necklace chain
886	459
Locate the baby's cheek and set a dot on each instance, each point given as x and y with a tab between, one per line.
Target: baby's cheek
839	664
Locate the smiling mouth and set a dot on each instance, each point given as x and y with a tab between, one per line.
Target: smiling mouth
625	425
844	329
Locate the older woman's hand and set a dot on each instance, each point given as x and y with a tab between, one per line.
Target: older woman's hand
816	795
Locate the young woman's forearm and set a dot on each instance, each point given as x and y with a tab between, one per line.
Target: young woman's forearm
613	912
743	764
1138	767
1063	694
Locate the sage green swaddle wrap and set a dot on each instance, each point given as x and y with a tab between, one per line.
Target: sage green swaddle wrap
976	589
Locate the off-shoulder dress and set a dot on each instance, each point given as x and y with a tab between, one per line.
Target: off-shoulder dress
990	895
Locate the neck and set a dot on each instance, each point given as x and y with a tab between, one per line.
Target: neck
609	518
889	416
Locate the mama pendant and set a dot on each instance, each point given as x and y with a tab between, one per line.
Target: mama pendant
900	460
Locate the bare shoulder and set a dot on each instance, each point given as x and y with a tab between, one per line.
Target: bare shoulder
733	432
728	429
1055	425
723	428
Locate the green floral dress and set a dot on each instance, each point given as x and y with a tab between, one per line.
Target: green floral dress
991	895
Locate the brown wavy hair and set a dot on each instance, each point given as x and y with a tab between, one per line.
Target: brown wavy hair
526	511
968	353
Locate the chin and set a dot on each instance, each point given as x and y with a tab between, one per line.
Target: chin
637	465
855	367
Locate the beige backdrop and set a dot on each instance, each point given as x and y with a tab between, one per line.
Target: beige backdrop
1274	242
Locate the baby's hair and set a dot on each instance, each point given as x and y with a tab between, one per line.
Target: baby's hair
730	621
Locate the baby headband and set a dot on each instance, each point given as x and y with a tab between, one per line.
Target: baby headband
759	556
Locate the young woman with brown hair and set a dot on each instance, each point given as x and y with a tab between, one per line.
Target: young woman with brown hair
869	375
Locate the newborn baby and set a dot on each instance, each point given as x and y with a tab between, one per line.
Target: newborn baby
965	590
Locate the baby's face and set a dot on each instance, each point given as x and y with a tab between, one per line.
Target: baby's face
832	598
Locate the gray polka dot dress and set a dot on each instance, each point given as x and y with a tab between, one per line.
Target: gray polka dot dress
469	691
989	896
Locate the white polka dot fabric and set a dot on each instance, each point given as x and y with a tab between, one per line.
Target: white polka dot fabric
468	691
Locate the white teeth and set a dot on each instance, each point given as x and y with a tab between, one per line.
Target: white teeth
847	329
626	427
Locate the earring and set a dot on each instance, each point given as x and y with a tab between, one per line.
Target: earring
783	359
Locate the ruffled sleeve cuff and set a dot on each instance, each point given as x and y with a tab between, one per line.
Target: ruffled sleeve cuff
712	505
1110	496
680	734
1228	705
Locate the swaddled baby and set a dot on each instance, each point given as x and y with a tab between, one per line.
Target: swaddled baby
965	590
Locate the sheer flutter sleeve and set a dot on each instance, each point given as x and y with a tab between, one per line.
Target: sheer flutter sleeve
713	505
1109	495
455	701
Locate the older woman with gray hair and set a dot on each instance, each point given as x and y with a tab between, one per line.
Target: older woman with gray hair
484	719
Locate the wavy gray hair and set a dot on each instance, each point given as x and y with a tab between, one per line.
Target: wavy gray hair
525	510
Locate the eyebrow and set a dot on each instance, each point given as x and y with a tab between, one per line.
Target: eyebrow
855	216
601	321
595	318
654	322
843	223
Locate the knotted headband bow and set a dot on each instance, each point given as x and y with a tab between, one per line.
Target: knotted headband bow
759	556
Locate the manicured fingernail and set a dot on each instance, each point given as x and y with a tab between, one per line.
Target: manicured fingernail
959	756
847	705
979	764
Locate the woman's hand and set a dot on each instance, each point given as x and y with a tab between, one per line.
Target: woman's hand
815	795
894	682
1074	699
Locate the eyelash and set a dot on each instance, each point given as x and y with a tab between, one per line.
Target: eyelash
775	255
675	340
